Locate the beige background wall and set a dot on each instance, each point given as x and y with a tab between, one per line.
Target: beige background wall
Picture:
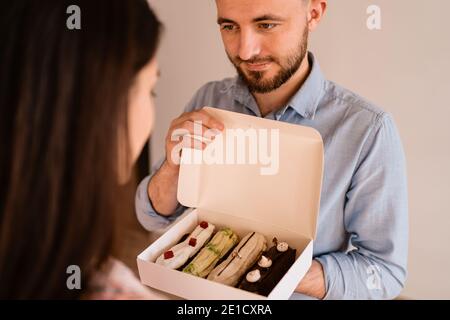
404	68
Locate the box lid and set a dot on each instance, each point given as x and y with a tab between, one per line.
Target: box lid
281	188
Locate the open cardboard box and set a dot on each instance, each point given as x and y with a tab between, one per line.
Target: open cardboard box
284	205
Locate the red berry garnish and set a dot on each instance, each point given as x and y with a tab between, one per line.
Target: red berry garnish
168	254
204	224
192	242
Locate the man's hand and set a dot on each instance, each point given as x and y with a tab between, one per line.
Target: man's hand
162	189
313	283
196	123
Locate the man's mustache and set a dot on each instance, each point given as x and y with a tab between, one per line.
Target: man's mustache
255	60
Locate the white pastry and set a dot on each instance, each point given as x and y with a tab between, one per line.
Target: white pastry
264	262
282	246
178	255
253	276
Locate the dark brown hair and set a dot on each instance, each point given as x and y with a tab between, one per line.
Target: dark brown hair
63	105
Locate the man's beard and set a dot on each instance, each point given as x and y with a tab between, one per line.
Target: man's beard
255	79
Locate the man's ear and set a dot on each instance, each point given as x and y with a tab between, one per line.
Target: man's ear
316	10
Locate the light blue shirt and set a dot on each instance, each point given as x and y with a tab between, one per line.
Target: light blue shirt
362	230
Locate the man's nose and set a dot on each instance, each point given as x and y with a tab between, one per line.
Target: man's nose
249	45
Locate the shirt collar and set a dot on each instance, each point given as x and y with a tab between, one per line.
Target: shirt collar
304	102
242	95
307	98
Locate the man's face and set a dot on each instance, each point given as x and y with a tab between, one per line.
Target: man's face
266	40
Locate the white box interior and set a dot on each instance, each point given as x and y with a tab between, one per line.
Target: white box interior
185	285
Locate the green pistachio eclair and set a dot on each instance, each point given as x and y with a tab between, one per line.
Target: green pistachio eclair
222	242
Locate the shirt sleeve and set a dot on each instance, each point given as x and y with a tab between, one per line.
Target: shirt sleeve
376	218
148	217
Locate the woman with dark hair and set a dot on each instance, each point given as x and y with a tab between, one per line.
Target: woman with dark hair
75	111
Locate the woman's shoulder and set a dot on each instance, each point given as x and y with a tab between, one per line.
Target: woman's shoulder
117	283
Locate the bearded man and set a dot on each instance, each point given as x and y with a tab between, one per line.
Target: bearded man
360	250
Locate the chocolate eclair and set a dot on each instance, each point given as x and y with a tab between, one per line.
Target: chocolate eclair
178	255
268	271
247	252
222	242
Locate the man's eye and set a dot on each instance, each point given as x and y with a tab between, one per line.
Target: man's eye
267	26
228	27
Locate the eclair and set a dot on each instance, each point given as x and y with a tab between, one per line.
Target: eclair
222	242
178	255
247	252
269	270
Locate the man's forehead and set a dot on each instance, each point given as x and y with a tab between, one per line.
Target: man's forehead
249	10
